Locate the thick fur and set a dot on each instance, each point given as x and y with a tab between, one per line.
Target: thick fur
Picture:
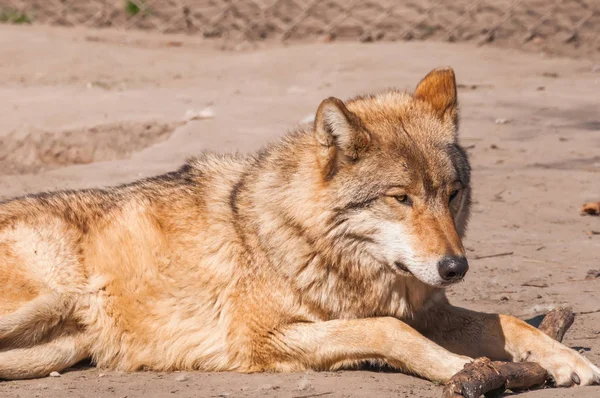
321	251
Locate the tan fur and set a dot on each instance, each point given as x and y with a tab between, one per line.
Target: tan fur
319	252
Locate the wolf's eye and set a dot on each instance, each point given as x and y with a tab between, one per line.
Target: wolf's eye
403	199
453	195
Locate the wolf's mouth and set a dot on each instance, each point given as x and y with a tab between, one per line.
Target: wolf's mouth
402	267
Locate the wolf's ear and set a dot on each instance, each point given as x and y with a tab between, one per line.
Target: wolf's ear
337	127
438	88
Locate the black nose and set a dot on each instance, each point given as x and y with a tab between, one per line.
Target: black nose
453	268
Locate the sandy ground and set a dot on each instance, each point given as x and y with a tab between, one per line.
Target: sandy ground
83	108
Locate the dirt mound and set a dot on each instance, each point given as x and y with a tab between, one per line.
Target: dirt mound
35	151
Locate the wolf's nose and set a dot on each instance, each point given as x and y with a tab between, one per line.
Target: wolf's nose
453	268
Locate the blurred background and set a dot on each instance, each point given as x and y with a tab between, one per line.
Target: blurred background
102	92
566	27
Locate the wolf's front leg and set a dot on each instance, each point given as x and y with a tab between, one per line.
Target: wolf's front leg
504	337
328	345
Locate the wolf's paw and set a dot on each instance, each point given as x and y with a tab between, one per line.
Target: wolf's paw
566	366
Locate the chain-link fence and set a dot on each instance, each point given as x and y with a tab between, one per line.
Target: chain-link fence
559	26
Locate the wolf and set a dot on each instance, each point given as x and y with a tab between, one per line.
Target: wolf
327	249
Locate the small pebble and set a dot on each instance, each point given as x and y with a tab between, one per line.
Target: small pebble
182	377
54	374
502	121
550	74
193	114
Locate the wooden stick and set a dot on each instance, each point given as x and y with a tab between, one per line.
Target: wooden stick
483	376
556	323
492	378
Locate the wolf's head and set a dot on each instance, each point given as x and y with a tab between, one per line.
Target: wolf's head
398	178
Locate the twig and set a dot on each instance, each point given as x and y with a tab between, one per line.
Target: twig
587	312
493	255
498	196
313	395
533	260
533	284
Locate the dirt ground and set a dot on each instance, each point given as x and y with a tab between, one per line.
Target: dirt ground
83	108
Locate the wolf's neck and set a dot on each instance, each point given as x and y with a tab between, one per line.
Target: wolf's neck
286	207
